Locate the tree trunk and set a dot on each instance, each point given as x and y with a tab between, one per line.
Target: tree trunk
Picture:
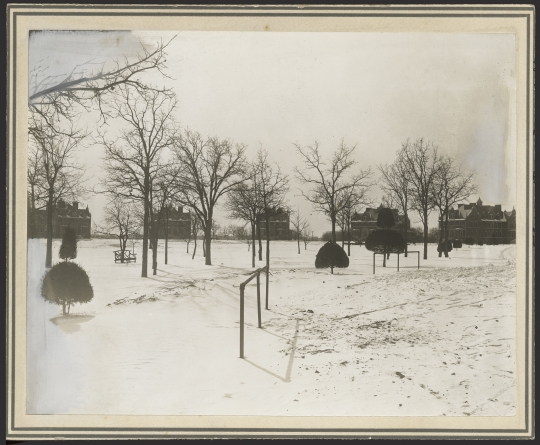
384	259
446	234
405	234
195	245
298	239
349	239
441	233
48	257
267	223
253	243
333	219
259	236
208	243
425	237
122	249
63	308
166	229
144	270
154	251
69	307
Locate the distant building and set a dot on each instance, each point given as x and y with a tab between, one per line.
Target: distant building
179	223
362	224
64	215
279	223
481	223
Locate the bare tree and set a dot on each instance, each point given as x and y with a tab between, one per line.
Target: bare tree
211	168
299	224
55	97
36	196
273	186
243	204
421	163
307	236
349	201
135	158
163	194
327	179
451	185
396	185
120	218
56	175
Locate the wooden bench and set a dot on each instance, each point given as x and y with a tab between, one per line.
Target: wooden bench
128	256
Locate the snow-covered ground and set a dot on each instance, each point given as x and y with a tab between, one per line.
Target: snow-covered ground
429	342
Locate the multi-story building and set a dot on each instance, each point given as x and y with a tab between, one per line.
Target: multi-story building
178	223
484	223
362	224
279	223
64	215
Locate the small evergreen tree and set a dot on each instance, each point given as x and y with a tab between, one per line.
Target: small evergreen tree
68	249
67	283
385	219
331	255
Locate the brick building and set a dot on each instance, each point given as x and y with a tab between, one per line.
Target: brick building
481	222
279	224
362	224
179	223
64	215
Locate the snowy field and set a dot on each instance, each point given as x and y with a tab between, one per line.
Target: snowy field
431	342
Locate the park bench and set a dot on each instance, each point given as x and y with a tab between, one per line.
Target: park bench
128	256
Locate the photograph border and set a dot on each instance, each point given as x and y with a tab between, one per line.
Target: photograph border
14	52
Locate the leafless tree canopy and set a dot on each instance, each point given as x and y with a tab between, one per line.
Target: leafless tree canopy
137	157
53	173
396	185
210	168
328	180
421	163
451	185
54	97
300	224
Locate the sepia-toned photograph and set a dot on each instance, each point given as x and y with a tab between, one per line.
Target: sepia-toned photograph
235	217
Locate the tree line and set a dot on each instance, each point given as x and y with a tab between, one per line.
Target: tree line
152	163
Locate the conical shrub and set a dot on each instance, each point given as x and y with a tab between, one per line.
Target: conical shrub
68	249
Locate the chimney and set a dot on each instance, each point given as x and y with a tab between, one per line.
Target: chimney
75	205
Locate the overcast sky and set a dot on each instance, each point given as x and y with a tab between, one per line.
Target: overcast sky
374	90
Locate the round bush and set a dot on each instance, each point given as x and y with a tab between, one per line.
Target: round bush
440	247
331	255
67	283
480	243
457	244
385	241
469	241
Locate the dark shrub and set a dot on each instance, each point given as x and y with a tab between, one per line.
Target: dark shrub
440	247
331	255
494	241
480	242
67	283
469	241
386	242
68	249
457	244
385	219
